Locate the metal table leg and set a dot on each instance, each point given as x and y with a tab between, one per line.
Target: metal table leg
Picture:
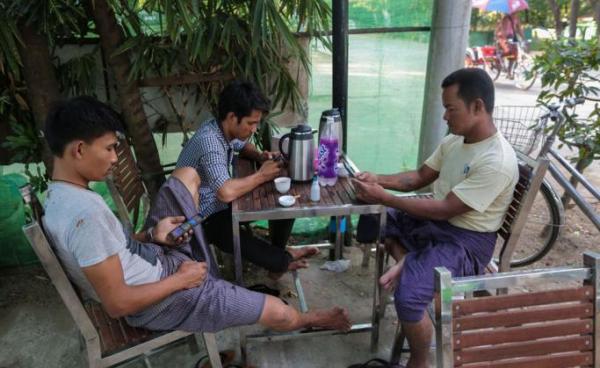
339	252
237	251
377	291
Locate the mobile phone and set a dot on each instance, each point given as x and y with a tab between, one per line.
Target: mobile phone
348	170
186	226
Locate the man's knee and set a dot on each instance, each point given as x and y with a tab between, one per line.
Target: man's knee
392	245
409	307
189	177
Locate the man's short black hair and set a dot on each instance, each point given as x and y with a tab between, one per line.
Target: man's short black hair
473	83
82	118
241	98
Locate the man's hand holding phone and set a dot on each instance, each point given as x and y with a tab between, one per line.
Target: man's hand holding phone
163	229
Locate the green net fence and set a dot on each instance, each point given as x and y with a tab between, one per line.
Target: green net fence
386	83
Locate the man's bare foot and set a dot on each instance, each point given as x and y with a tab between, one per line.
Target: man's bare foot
294	265
335	318
388	280
303	252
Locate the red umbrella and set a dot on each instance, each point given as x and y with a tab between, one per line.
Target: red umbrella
503	6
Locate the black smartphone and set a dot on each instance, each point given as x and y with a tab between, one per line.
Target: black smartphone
348	170
186	226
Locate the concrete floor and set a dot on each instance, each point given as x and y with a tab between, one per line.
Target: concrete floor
36	329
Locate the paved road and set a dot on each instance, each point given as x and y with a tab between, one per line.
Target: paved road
508	94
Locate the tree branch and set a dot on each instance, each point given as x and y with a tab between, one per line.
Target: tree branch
176	80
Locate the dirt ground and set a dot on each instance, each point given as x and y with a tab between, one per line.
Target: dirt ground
577	236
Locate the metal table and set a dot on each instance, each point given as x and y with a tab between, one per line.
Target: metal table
338	200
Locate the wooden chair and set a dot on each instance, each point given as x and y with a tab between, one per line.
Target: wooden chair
127	188
108	341
531	175
551	328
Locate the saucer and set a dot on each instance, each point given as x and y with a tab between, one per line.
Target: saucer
287	200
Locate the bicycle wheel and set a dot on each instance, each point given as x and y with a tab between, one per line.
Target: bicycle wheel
541	228
493	69
524	74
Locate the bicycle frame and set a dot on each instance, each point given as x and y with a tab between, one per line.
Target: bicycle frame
556	114
585	206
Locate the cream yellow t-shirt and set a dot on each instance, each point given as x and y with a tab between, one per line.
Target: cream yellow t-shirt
482	175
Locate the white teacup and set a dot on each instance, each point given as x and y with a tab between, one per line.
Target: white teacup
282	184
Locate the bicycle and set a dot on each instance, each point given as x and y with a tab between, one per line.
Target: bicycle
524	128
490	59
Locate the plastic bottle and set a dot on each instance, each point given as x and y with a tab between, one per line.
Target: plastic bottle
315	190
328	154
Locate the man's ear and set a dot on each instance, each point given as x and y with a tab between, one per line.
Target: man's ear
231	117
76	149
479	106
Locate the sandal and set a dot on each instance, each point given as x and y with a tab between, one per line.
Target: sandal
375	363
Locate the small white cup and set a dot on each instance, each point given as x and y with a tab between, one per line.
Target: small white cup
282	184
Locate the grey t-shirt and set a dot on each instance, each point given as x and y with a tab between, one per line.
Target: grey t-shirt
85	232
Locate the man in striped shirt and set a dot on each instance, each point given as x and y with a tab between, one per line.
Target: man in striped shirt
241	107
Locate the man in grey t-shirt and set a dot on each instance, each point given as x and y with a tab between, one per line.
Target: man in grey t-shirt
153	281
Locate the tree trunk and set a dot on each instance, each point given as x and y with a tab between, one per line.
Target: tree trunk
557	21
42	85
596	9
138	129
573	18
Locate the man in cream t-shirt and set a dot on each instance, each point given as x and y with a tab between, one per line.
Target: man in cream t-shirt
482	175
474	172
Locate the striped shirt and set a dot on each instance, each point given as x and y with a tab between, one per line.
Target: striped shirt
211	154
